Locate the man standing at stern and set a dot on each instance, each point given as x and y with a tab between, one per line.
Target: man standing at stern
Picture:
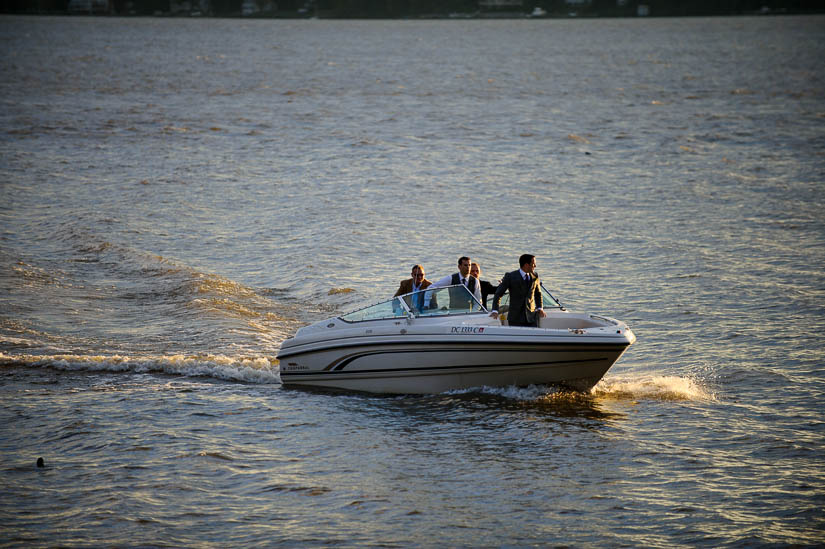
525	294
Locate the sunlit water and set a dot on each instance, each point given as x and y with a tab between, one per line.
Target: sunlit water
179	196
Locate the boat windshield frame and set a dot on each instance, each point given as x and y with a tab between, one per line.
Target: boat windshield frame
546	293
432	302
548	301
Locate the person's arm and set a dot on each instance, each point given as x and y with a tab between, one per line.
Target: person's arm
537	297
487	288
441	282
503	287
400	290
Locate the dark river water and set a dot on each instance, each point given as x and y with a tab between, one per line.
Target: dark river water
178	196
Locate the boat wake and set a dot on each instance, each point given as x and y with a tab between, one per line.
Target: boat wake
265	370
651	387
624	387
247	369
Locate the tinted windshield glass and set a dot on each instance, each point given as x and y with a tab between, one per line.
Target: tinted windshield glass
450	300
388	309
547	301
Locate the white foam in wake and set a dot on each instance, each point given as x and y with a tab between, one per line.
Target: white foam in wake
620	388
532	392
249	369
652	387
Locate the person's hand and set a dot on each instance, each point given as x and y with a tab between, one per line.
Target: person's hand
494	314
541	313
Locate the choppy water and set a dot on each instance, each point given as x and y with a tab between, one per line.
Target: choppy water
178	196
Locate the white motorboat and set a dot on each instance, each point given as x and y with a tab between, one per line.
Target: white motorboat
442	339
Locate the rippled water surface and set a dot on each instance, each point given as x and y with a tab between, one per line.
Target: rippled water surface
179	196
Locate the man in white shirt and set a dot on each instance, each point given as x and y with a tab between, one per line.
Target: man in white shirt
461	277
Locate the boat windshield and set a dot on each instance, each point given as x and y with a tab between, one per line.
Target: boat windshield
449	300
547	301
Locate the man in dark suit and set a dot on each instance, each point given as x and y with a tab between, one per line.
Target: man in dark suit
525	294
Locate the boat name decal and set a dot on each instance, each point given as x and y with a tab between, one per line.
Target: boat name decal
467	330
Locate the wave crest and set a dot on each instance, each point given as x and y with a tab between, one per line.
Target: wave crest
248	369
652	387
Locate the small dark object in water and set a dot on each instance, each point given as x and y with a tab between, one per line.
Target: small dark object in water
40	462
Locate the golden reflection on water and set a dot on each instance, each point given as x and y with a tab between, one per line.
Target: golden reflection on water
651	388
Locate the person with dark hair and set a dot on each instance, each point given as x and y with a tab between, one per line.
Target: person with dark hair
415	283
461	277
525	294
486	287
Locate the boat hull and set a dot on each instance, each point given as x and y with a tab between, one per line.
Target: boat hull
411	367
